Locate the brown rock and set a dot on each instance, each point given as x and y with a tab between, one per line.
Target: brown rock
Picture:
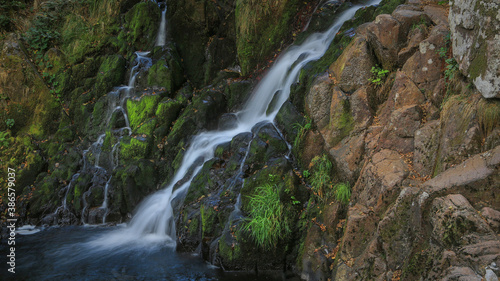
426	147
408	16
379	179
424	67
348	156
438	14
403	93
398	134
318	101
352	68
460	134
385	38
492	217
474	169
360	108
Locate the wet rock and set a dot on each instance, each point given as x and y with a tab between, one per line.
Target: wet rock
474	27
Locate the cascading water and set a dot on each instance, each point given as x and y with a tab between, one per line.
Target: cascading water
162	31
93	163
154	220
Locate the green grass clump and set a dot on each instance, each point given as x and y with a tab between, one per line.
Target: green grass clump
342	192
489	115
266	223
320	178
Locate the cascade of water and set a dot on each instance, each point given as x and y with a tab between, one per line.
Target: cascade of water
162	31
154	220
116	101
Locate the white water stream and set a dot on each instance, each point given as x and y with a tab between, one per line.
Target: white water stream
154	220
162	31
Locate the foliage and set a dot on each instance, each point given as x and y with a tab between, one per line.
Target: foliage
378	75
451	68
266	224
320	178
4	138
343	192
10	123
301	132
7	8
306	173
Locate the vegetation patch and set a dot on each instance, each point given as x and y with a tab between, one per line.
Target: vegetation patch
266	224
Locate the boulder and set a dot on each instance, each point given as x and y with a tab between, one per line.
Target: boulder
352	69
475	26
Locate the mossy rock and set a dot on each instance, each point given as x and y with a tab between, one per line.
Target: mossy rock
141	110
167	73
261	29
168	110
134	148
131	184
141	26
110	74
237	93
266	145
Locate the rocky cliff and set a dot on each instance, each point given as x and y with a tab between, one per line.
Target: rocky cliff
383	164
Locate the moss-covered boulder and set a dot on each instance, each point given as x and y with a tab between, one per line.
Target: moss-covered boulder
167	72
261	29
141	26
110	74
140	110
130	184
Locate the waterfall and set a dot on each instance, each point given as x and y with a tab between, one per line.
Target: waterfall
154	220
162	31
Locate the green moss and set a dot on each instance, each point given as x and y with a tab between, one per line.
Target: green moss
208	216
194	226
111	73
166	73
147	128
139	111
168	110
231	253
134	148
109	141
141	25
262	28
342	122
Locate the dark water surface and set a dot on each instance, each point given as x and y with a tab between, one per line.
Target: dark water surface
61	253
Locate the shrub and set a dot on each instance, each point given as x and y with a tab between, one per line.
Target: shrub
266	223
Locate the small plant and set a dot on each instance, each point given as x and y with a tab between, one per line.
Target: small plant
306	174
4	141
266	223
301	132
343	192
451	68
10	123
444	2
443	52
378	75
320	178
294	200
